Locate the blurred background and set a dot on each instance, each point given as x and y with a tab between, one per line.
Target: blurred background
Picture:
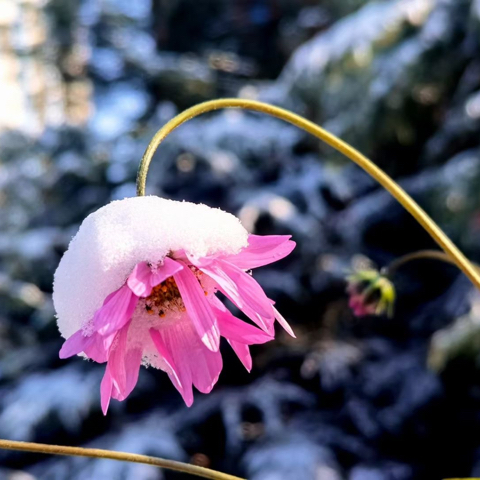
85	84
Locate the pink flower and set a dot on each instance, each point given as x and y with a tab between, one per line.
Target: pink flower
165	312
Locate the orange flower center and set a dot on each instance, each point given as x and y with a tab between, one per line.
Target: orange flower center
166	296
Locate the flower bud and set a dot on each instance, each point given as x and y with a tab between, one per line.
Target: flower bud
371	293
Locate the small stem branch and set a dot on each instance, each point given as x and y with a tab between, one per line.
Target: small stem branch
378	174
392	267
113	455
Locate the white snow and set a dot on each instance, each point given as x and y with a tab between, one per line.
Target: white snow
112	240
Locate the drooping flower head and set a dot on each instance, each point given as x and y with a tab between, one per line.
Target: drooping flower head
371	293
137	286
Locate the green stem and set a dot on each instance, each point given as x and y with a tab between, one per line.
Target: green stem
392	267
112	455
379	175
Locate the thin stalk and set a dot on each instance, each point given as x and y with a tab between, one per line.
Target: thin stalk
113	455
375	172
392	267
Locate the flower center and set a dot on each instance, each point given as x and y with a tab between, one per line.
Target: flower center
166	296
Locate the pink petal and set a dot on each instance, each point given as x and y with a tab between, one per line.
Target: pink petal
243	353
168	359
132	361
143	277
205	367
195	363
281	320
74	344
235	329
98	348
198	308
94	346
262	250
116	361
175	343
122	370
247	288
106	391
243	291
116	311
139	280
168	269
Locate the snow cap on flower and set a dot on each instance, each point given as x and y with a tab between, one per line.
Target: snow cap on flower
137	286
112	240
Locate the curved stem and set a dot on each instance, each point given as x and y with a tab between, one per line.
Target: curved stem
112	455
379	175
392	267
